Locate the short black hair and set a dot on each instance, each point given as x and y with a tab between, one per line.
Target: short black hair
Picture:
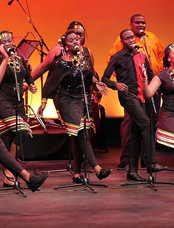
123	31
135	15
65	35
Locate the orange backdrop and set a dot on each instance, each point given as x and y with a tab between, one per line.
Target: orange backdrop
103	20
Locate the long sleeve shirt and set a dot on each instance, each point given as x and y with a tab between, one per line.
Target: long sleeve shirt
124	65
151	46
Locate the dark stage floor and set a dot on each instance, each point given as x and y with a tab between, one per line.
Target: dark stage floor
115	206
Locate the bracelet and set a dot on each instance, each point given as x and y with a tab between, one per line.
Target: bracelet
96	82
144	80
44	100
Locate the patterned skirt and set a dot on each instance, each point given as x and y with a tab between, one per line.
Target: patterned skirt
8	118
165	131
71	112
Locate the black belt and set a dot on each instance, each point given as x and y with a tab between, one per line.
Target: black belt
75	89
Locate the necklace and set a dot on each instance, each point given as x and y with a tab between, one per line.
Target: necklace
170	72
14	63
76	61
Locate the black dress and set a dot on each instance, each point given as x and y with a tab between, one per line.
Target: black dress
8	96
165	130
65	78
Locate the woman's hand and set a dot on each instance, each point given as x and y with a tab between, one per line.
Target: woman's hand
96	96
33	88
41	109
143	72
3	52
101	87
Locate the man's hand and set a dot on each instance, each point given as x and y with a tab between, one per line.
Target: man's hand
121	86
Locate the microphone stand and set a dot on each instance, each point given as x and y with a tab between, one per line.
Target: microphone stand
18	99
86	117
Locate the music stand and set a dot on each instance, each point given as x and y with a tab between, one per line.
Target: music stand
27	47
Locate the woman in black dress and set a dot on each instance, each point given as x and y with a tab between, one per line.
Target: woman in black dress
164	80
14	73
33	181
65	77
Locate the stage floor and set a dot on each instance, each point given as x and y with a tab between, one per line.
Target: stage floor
77	207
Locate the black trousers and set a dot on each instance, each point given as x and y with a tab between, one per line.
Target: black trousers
125	131
140	131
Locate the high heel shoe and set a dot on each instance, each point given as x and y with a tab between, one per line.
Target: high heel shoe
8	185
103	173
16	184
11	180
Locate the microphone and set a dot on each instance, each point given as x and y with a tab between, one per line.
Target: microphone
141	31
136	46
10	2
77	49
10	51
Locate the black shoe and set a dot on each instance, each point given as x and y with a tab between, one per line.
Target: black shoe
157	168
103	173
16	184
8	185
122	165
36	180
135	177
79	179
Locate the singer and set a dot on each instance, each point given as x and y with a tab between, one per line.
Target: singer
164	80
55	53
154	50
65	78
9	100
126	64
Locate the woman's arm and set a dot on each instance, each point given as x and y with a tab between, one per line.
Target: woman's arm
46	64
4	62
150	89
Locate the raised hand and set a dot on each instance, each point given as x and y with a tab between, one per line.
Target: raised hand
33	88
